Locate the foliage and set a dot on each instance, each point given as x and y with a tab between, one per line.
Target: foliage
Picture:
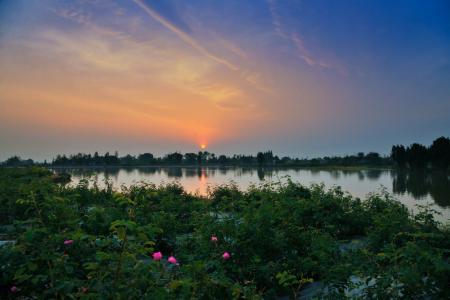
419	156
84	242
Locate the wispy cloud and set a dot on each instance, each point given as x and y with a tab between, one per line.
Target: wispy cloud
310	60
73	14
201	49
232	47
276	19
299	44
99	44
183	36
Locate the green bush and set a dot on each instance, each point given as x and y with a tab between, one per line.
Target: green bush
88	243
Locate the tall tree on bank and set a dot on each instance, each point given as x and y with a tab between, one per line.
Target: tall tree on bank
398	155
439	153
417	155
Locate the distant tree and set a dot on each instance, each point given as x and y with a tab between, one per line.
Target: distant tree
439	153
96	158
286	160
13	161
373	158
265	158
222	159
174	158
111	160
398	155
417	155
145	158
203	157
212	159
28	162
128	160
260	158
190	158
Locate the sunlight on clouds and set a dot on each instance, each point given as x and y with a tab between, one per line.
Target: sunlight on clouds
154	88
140	76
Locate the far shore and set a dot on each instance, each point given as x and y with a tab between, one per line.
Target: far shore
332	167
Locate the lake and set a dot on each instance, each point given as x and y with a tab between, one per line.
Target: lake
411	188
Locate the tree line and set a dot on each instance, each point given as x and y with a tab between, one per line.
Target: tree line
437	155
267	159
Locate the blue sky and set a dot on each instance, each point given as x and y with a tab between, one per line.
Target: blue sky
303	78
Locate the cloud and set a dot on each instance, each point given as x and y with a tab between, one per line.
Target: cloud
305	55
184	36
74	14
231	47
169	13
299	44
253	80
276	19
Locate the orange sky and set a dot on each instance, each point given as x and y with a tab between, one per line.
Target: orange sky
115	75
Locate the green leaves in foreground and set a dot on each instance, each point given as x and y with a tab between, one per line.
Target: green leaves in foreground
149	242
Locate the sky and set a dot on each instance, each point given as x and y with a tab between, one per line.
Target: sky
302	78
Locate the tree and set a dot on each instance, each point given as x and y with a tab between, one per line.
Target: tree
398	155
146	158
222	159
174	157
127	160
260	158
439	153
191	158
417	155
13	161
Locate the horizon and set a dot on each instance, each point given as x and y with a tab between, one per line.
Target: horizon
160	156
303	79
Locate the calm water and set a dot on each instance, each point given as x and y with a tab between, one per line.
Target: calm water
411	188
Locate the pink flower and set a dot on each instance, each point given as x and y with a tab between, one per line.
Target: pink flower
157	256
172	260
14	289
214	238
226	256
68	242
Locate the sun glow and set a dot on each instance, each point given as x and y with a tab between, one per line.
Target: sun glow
203	146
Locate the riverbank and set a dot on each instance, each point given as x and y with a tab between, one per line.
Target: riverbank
266	242
331	167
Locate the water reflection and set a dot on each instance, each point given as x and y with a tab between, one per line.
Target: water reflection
421	183
411	187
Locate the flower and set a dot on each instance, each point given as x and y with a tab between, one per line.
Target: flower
68	242
214	238
157	256
172	260
14	289
84	290
226	256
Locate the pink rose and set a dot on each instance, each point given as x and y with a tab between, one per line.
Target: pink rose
14	289
226	256
172	260
214	238
157	256
68	242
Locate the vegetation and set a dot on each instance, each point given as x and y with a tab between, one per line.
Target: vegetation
414	156
158	242
436	155
262	159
